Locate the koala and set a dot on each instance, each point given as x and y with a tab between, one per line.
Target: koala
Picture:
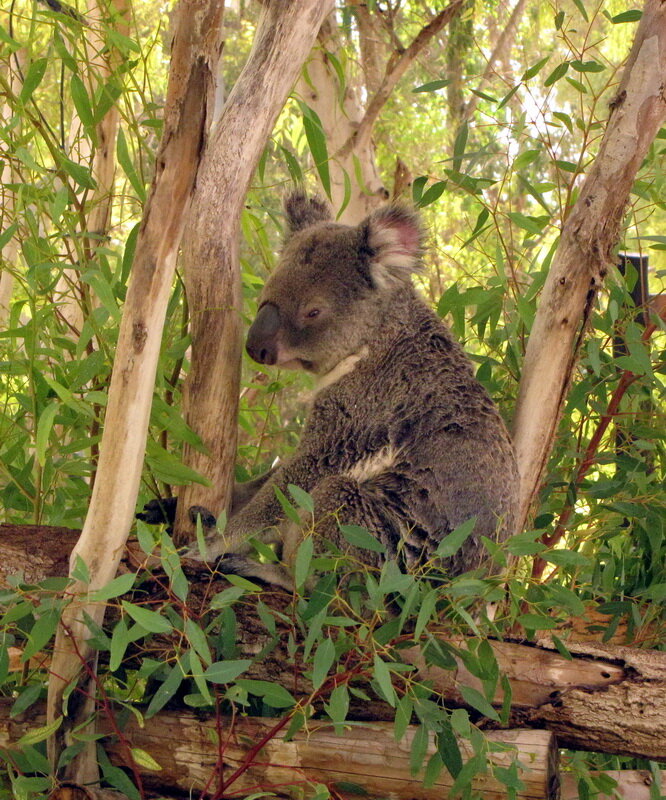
400	438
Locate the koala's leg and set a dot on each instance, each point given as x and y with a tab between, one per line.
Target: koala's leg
336	499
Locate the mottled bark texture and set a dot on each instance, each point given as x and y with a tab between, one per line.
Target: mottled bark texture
585	253
285	35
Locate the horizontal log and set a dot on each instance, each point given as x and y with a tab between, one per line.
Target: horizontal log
191	748
606	698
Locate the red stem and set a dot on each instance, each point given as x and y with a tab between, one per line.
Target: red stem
626	380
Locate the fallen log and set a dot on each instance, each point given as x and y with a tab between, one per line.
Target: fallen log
364	759
605	698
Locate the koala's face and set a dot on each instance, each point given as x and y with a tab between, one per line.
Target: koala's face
323	298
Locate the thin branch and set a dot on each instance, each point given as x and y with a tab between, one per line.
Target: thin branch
626	380
396	67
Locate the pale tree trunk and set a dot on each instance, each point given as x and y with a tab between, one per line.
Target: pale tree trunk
285	35
585	251
346	121
110	516
73	296
354	173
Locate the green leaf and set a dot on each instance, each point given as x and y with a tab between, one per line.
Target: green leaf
44	427
120	585
80	571
272	693
322	662
581	7
125	161
80	173
426	611
337	707
534	69
286	506
382	675
459	146
27	697
432	86
166	691
143	759
226	671
587	66
451	543
197	639
82	102
33	78
535	622
559	72
316	139
476	700
302	498
149	620
37	735
633	15
566	558
448	749
431	194
120	640
360	537
302	561
561	647
418	749
42	631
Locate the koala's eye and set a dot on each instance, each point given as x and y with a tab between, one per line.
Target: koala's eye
312	313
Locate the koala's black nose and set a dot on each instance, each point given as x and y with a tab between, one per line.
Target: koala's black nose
262	337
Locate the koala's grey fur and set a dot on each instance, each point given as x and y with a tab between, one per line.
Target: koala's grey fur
401	438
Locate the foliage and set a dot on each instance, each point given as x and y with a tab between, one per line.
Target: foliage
494	182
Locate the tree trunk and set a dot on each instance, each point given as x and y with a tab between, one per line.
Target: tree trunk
285	35
111	511
191	749
585	251
354	174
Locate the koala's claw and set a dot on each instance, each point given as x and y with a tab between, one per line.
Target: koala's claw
208	520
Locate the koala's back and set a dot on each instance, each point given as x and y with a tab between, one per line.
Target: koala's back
410	421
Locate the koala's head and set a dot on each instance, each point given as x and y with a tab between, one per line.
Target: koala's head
332	284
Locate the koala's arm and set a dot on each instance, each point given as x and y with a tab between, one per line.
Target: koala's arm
262	515
244	492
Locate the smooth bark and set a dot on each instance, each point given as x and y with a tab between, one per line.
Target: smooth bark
285	35
585	253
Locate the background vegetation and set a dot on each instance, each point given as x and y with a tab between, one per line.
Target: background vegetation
494	125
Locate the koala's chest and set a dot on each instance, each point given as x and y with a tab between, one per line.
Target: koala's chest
349	425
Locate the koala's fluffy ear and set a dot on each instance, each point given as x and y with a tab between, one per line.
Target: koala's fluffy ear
394	236
302	211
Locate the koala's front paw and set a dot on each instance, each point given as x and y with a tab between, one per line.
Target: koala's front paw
208	520
159	511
